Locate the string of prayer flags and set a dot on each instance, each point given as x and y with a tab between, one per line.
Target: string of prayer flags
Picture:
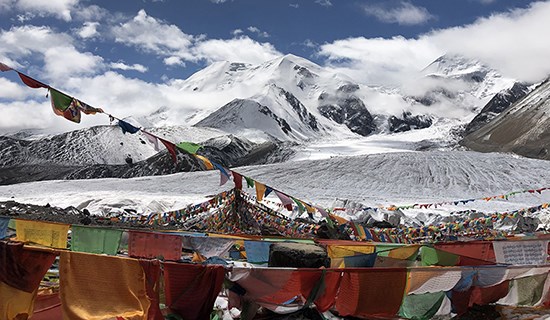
86	108
260	190
152	139
153	245
95	240
205	161
189	147
64	106
43	233
171	149
126	127
238	180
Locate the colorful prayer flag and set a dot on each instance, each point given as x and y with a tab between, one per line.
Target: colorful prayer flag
44	233
189	147
64	106
152	139
171	149
86	108
207	163
285	200
4	67
249	182
3	226
238	180
153	245
260	190
95	240
224	175
30	82
126	127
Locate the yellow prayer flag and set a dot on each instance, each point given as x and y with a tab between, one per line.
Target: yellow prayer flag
337	253
260	190
404	253
206	162
14	303
43	233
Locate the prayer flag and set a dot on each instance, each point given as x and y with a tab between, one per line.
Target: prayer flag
301	208
521	252
171	149
434	257
257	251
15	303
86	108
154	245
152	139
285	200
238	180
224	176
102	287
189	147
35	84
64	106
191	290
95	240
47	234
4	67
3	226
260	190
249	182
126	127
268	190
206	162
421	306
322	211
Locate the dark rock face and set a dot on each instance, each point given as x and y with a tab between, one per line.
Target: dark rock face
297	255
409	122
500	102
350	111
305	116
280	121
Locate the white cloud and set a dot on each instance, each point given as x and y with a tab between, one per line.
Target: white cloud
259	32
11	90
6	5
324	3
404	14
512	42
155	36
122	66
218	1
294	5
237	32
241	49
88	30
58	8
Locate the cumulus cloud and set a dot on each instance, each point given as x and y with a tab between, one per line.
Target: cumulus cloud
511	42
241	49
404	14
58	8
237	32
294	5
123	66
88	30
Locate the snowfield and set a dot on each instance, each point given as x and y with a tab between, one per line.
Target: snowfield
399	178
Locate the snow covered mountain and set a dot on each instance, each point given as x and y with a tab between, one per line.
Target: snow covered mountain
523	128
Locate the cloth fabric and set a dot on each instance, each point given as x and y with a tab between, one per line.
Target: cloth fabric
47	234
360	261
260	190
151	268
238	180
23	268
126	127
463	300
191	290
421	306
257	251
64	106
4	67
86	108
102	287
4	222
207	164
525	291
521	252
171	149
153	245
482	250
433	257
431	280
404	253
285	200
208	246
189	147
15	304
337	253
152	139
387	262
47	305
283	290
30	82
224	175
371	292
95	240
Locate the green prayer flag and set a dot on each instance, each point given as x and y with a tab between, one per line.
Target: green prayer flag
249	182
434	257
189	147
301	207
95	240
529	289
421	306
60	101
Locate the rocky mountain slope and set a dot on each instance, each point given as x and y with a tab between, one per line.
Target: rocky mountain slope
523	128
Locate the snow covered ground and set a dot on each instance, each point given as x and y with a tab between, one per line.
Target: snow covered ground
399	178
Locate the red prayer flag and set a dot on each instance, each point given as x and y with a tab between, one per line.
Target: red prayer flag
238	180
4	67
35	84
152	245
171	149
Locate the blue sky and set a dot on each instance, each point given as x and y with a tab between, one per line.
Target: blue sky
108	46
